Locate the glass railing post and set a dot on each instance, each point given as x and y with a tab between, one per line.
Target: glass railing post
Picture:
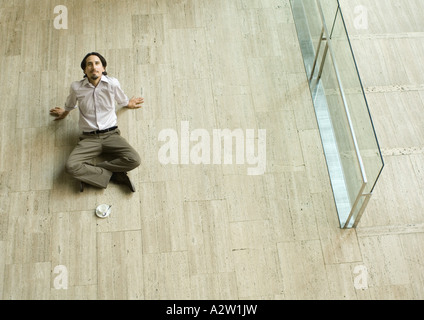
321	38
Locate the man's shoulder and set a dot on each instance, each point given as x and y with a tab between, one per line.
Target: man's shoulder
78	84
111	80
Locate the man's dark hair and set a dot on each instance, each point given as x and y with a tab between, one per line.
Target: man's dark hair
102	59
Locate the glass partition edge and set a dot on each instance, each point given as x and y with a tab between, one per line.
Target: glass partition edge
332	154
348	176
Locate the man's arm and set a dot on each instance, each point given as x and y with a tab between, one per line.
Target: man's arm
135	103
122	99
70	104
59	113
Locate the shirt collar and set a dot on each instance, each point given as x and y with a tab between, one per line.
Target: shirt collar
85	81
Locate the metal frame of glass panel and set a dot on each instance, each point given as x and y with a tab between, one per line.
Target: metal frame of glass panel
343	116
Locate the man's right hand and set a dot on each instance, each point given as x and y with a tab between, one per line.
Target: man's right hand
59	113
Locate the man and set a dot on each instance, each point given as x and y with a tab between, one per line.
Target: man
95	97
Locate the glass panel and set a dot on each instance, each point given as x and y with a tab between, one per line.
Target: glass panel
352	175
357	103
351	148
329	9
359	114
309	27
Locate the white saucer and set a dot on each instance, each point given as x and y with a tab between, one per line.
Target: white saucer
103	211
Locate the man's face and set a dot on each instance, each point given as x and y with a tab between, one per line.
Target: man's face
94	68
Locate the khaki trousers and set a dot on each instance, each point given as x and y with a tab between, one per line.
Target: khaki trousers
124	158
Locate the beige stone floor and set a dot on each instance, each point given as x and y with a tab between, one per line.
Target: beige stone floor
205	231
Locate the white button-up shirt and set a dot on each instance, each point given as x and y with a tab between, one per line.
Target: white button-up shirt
96	104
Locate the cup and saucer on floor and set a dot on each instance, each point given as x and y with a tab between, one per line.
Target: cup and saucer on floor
103	211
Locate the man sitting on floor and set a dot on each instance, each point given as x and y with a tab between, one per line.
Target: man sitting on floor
95	98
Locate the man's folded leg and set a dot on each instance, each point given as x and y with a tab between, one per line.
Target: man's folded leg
78	165
125	157
89	174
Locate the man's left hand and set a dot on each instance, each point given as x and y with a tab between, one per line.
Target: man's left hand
135	103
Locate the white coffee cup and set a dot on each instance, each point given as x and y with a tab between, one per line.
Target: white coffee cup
103	211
